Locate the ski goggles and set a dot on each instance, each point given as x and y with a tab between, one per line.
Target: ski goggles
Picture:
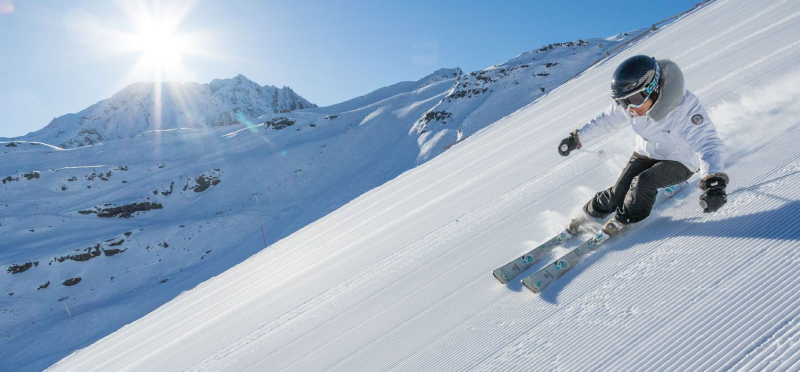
639	97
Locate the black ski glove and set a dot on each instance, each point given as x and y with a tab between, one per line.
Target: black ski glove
714	196
570	143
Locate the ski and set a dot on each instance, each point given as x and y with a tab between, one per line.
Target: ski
539	280
510	270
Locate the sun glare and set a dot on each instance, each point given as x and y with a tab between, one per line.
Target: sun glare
153	32
158	38
161	48
6	7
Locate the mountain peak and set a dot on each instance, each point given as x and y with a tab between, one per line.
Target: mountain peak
439	75
234	81
132	110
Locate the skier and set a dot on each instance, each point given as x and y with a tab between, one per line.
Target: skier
675	139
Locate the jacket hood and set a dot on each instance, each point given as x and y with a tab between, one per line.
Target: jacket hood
672	90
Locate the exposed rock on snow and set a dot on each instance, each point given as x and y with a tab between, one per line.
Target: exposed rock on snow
123	211
71	281
279	123
16	269
203	181
27	176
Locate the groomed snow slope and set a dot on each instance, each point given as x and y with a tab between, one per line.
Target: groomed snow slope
400	277
201	200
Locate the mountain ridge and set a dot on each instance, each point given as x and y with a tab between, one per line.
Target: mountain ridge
133	110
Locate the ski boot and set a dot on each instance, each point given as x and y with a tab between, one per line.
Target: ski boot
614	227
582	223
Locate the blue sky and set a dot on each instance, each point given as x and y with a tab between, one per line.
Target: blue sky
59	57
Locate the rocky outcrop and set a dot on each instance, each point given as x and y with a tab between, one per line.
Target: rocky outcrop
204	181
87	255
127	211
97	250
28	176
89	180
16	269
123	211
166	191
440	116
279	123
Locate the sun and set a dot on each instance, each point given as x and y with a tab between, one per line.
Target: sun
158	40
160	46
155	32
152	37
156	37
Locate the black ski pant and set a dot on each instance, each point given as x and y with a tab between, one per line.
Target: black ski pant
634	194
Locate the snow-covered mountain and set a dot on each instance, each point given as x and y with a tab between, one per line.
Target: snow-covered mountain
486	96
445	74
400	278
134	219
381	242
133	110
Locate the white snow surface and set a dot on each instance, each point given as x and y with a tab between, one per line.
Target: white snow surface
97	236
400	277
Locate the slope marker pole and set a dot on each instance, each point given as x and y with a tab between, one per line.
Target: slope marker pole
67	307
261	222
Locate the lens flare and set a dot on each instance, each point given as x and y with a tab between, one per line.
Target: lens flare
158	37
160	41
6	7
154	33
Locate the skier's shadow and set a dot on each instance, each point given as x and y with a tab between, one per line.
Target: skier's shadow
782	223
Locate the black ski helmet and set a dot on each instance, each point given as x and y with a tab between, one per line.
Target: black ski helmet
634	74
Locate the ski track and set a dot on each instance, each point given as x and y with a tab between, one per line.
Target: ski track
220	308
485	212
525	189
444	236
658	342
571	347
784	48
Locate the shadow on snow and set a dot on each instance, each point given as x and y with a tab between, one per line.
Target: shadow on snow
782	223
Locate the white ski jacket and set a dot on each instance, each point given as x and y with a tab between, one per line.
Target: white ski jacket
676	128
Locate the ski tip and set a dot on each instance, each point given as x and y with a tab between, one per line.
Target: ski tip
533	286
500	275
